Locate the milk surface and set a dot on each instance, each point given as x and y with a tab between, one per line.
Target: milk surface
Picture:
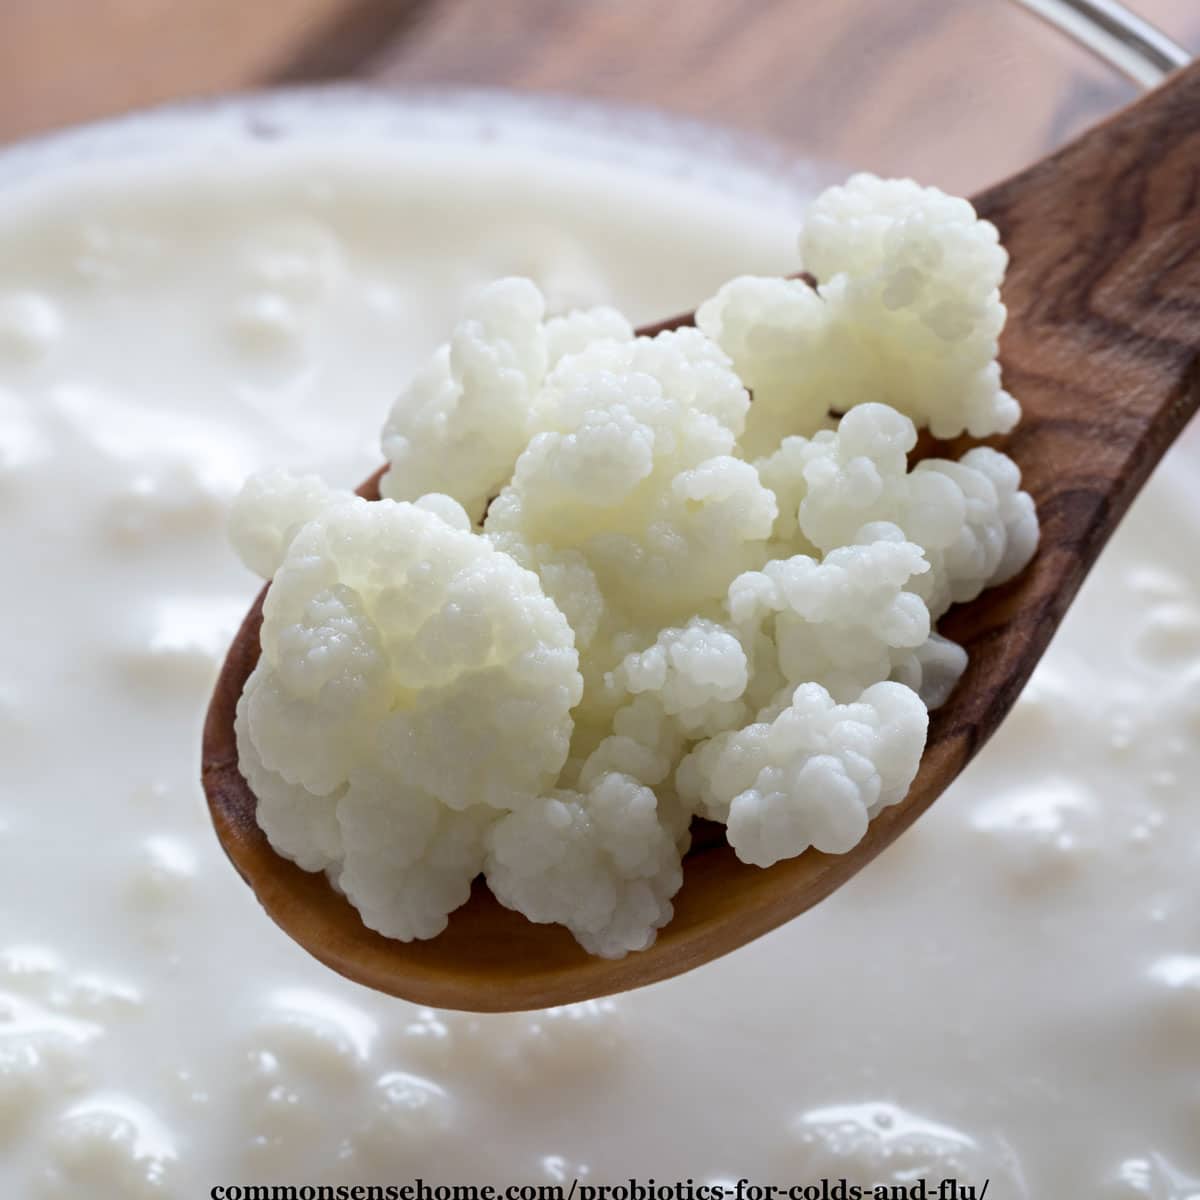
1011	993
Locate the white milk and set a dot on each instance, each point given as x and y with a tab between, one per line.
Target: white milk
1011	993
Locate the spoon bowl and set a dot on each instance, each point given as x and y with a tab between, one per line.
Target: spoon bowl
1102	348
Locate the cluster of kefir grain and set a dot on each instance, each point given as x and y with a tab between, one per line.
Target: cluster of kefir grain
604	591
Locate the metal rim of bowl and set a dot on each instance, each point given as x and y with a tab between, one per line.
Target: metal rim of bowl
1116	35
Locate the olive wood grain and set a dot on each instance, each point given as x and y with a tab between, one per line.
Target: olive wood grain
1102	350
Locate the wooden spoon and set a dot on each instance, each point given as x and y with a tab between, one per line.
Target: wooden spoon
1101	349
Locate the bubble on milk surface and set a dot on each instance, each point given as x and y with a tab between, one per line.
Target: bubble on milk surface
558	1168
566	272
1175	979
1169	634
108	252
109	1148
572	1039
302	1055
298	258
1189	702
177	643
312	1051
23	441
539	1048
1149	1177
877	1144
1041	832
266	324
50	1018
31	323
162	873
102	1144
163	502
1042	711
406	1115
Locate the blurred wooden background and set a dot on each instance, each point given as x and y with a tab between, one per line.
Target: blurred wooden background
745	62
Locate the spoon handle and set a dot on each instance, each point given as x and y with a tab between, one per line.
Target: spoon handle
1102	348
1102	345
